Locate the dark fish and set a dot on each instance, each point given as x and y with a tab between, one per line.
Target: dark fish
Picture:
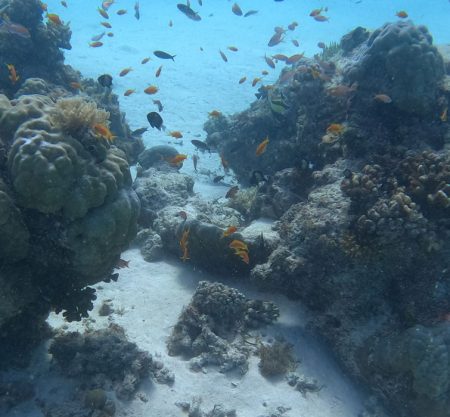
137	13
164	55
97	37
201	145
105	80
159	104
218	179
139	132
183	8
250	13
155	120
195	161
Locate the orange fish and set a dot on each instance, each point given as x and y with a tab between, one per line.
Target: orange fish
106	25
44	6
214	113
103	131
231	193
158	72
261	148
184	245
175	134
230	230
224	162
294	58
402	14
321	18
151	89
107	4
232	48
110	34
335	128
292	26
125	71
145	60
12	73
242	80
129	92
236	9
341	90
238	245
269	61
316	12
444	115
280	57
255	81
276	39
177	159
224	57
96	44
243	255
103	13
121	12
54	18
75	85
382	98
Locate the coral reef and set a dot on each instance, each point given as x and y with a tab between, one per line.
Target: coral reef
356	171
413	87
106	359
418	358
36	56
67	209
211	329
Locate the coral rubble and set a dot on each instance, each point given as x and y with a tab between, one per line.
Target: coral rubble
211	329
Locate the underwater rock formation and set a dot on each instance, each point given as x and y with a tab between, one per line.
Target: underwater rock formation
399	60
67	209
211	329
358	141
37	55
106	359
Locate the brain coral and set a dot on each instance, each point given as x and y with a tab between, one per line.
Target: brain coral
51	171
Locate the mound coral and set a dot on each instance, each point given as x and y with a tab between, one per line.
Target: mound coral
67	209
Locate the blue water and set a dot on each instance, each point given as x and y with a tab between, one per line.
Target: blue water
199	81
